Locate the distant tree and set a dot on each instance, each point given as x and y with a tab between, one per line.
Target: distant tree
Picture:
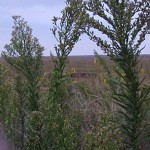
124	24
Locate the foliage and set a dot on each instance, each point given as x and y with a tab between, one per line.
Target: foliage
24	54
65	115
66	30
7	114
105	135
125	29
4	88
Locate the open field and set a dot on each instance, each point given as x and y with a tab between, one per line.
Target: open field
88	64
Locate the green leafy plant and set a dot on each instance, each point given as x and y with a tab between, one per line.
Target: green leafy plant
105	135
3	90
125	30
24	55
66	30
36	117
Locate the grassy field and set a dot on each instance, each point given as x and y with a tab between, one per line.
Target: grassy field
89	64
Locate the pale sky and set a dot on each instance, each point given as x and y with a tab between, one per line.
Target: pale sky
38	14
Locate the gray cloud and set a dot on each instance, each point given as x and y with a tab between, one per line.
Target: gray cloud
27	3
38	14
34	11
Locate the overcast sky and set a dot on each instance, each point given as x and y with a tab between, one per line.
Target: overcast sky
38	14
